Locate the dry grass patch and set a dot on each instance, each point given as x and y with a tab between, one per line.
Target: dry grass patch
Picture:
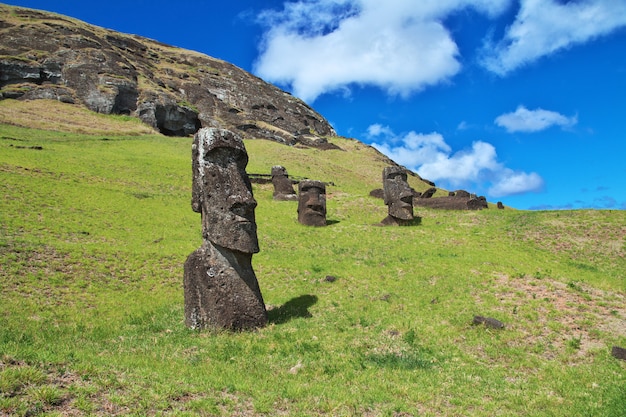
553	316
579	234
62	117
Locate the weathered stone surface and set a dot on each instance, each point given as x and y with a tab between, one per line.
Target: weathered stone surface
220	286
477	203
378	193
394	221
428	193
171	119
451	203
283	187
398	197
221	190
618	352
221	290
312	203
488	322
174	90
500	205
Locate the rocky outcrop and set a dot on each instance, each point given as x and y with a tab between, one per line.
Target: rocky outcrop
45	55
428	193
452	203
488	322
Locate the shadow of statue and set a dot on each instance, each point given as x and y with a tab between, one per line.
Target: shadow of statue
417	220
294	308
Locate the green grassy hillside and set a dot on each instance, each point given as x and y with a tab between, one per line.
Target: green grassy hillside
94	230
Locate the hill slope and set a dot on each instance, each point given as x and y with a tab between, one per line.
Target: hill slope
46	55
94	230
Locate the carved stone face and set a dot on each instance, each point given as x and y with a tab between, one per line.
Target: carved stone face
222	191
398	195
312	203
282	183
279	171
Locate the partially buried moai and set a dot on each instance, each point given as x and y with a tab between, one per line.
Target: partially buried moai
398	197
283	187
220	286
312	203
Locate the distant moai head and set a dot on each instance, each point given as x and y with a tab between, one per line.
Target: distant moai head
398	196
222	191
279	171
312	203
462	194
283	188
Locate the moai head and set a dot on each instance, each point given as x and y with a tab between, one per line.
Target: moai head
398	196
222	191
282	184
312	203
279	171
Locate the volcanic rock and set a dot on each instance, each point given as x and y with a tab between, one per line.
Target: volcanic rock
177	91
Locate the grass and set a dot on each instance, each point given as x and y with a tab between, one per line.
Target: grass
51	115
95	227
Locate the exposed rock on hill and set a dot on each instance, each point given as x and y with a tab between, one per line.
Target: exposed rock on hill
456	200
452	203
177	91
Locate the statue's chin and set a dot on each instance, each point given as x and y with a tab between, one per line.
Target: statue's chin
240	246
402	214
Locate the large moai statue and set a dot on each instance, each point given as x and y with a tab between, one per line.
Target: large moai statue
283	187
220	287
398	197
312	203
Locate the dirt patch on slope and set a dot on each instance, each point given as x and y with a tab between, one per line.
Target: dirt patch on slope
555	317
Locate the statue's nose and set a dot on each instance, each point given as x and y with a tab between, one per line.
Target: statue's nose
314	201
242	204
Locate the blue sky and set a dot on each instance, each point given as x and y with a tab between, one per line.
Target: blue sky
521	101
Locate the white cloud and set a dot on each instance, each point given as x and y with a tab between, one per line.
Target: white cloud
524	120
401	46
463	166
378	130
511	183
412	150
432	158
546	26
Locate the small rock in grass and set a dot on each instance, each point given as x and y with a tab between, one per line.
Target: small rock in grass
489	322
619	353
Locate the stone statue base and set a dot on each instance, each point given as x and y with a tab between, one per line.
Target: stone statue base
393	221
221	290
